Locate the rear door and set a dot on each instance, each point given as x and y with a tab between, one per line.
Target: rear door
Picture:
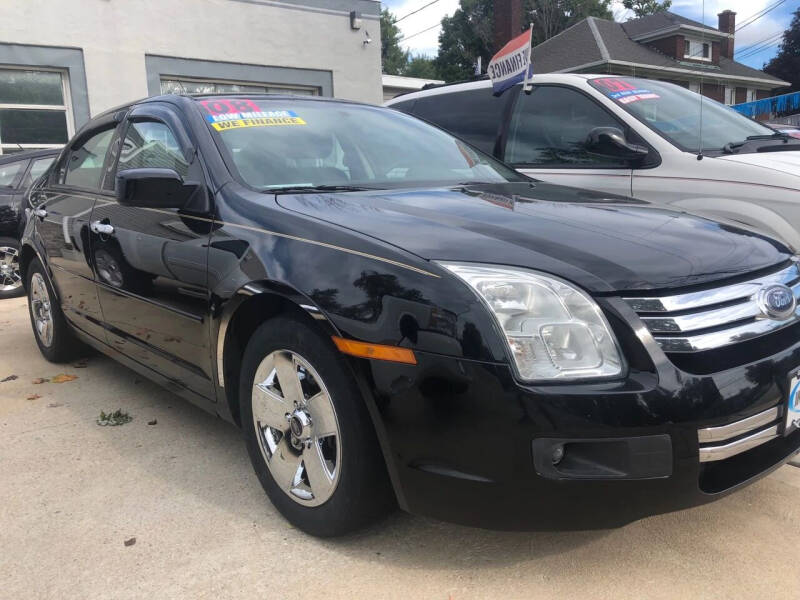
546	139
63	206
152	263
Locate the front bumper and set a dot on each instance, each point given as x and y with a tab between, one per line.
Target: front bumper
461	440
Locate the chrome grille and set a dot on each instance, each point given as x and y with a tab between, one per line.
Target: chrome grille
714	318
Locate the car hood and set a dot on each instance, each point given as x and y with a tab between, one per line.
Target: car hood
604	243
786	162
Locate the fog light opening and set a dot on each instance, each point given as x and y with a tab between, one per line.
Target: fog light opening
558	454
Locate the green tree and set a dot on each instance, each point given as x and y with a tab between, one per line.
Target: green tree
642	8
393	57
551	17
469	32
786	63
465	36
421	66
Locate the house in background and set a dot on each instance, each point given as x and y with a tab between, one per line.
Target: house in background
394	85
663	46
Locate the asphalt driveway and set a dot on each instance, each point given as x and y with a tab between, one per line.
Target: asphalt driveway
173	509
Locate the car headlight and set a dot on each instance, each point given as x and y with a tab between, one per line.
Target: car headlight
554	330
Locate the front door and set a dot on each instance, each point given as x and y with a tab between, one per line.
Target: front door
62	207
151	266
547	135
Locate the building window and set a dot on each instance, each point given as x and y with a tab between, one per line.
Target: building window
751	95
34	109
694	86
174	85
730	95
696	49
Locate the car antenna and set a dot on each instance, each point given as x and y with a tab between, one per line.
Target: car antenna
702	47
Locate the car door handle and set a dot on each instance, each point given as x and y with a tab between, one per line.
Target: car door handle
101	228
39	212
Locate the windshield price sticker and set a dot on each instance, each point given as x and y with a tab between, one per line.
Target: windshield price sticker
793	408
625	92
238	120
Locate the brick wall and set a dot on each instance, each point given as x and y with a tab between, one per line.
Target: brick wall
671	46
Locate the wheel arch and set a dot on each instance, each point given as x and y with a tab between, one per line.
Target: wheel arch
250	306
27	252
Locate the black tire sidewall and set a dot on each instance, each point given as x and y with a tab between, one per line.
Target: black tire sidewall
11	243
64	344
363	493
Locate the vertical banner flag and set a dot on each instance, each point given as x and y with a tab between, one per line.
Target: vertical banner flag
512	64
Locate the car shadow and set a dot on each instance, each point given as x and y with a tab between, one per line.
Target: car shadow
206	458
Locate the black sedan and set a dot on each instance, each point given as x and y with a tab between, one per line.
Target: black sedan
17	172
393	317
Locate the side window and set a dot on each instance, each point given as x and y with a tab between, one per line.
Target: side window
9	173
84	165
39	166
473	115
550	127
151	144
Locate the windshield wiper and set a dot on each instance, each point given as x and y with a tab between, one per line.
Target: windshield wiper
730	147
310	189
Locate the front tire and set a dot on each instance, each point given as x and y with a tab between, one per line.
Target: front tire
53	336
308	433
10	275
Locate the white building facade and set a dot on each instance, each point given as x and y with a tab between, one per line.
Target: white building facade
62	61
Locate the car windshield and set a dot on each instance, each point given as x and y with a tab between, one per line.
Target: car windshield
675	113
281	143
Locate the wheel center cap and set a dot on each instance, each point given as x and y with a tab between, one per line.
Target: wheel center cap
300	424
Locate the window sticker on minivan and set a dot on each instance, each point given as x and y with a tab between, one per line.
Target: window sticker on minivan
622	91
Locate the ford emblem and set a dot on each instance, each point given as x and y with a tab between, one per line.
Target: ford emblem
776	301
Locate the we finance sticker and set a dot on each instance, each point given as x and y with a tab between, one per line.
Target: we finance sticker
239	120
236	113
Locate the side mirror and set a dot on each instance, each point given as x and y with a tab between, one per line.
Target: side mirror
153	188
611	142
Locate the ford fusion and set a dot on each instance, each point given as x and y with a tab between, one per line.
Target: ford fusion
394	318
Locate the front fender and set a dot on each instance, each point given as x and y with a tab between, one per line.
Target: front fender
226	312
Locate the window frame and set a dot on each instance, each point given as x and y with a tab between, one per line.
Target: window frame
106	124
653	159
66	107
695	44
155	112
266	85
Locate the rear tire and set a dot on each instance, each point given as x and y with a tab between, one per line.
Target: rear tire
10	276
56	341
308	433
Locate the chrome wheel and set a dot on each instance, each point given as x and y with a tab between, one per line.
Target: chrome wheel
296	428
10	277
41	310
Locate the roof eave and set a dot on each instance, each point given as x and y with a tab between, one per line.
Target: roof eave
772	83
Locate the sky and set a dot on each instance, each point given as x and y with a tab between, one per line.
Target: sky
774	22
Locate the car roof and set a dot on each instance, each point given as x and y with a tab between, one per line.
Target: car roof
28	154
460	86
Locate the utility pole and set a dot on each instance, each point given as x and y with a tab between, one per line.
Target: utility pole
507	21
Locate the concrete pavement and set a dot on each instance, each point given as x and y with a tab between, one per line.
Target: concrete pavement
72	493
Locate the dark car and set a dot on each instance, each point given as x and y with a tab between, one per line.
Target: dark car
17	172
392	317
